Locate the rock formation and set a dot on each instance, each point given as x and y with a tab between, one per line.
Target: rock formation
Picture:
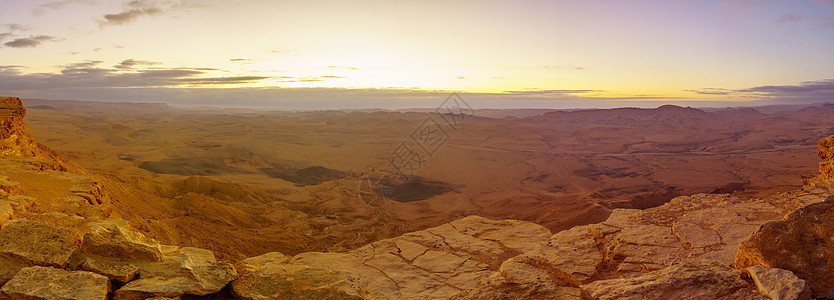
826	152
17	140
802	243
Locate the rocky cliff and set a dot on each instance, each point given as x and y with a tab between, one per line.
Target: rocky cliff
17	141
57	229
826	152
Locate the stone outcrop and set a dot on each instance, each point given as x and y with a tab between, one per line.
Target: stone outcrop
51	283
436	262
25	243
270	277
17	140
111	238
682	280
779	284
826	152
183	271
802	243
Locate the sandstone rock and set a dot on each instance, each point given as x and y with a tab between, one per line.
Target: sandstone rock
826	152
683	280
500	290
9	265
111	238
16	139
191	271
779	284
9	187
117	271
50	283
826	148
268	277
41	243
570	256
438	262
6	212
802	243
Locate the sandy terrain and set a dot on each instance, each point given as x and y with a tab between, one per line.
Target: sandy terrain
292	181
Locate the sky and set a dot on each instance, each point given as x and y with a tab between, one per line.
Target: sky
398	54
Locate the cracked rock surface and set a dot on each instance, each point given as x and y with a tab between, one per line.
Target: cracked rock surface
438	262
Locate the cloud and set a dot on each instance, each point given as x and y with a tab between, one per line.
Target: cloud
16	27
91	74
550	93
137	9
823	26
787	18
58	5
565	67
743	5
11	30
824	2
306	78
30	42
711	91
130	63
223	80
344	68
808	91
792	18
130	15
240	59
806	88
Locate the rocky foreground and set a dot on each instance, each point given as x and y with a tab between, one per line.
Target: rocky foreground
60	242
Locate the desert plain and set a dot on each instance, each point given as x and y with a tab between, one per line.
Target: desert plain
243	182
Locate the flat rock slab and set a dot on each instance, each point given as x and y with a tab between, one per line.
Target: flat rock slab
38	242
437	262
267	277
779	284
683	280
51	283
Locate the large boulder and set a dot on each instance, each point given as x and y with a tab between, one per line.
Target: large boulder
269	277
189	270
802	243
25	243
51	283
112	238
779	284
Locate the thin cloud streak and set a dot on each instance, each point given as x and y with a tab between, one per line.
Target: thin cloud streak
30	42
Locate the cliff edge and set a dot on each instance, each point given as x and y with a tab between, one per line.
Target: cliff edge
17	142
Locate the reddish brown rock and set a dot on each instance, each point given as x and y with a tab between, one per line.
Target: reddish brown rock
802	243
826	152
17	140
